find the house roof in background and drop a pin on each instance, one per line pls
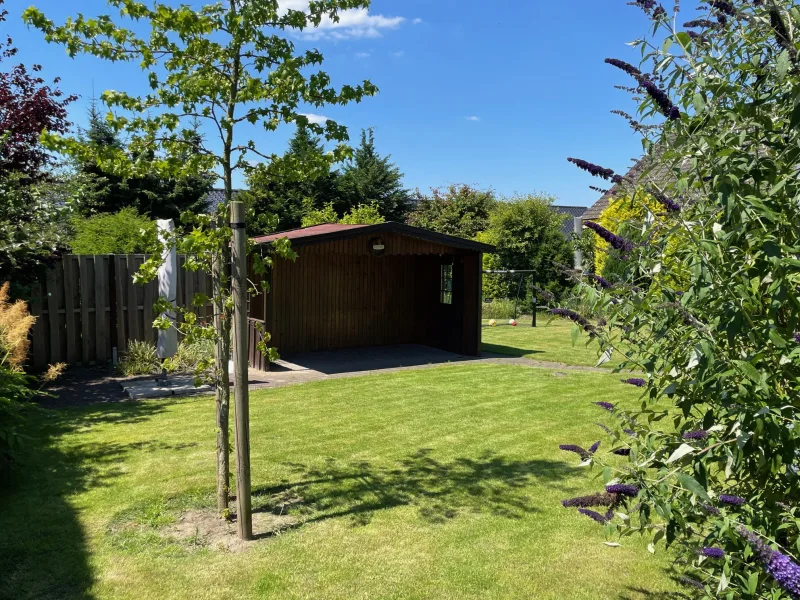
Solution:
(571, 211)
(216, 197)
(646, 167)
(334, 231)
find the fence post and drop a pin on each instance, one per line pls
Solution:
(244, 517)
(577, 228)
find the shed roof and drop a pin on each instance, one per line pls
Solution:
(334, 231)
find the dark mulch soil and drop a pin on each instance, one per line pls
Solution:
(80, 386)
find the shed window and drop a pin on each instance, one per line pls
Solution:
(446, 296)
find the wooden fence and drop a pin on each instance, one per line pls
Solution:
(88, 305)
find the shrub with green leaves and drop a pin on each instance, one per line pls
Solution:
(123, 232)
(714, 446)
(528, 235)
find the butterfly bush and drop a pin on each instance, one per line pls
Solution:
(712, 332)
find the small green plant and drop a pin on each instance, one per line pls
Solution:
(191, 355)
(140, 359)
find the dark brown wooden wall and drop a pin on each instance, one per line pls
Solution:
(340, 295)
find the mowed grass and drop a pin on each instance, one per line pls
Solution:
(441, 483)
(550, 340)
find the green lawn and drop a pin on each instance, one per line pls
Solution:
(550, 340)
(428, 484)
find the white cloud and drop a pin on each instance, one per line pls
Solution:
(363, 54)
(473, 118)
(399, 54)
(353, 23)
(316, 119)
(417, 21)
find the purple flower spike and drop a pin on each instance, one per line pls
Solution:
(796, 337)
(637, 381)
(607, 405)
(596, 516)
(604, 428)
(734, 500)
(692, 582)
(573, 316)
(603, 499)
(646, 5)
(700, 434)
(713, 552)
(601, 281)
(666, 202)
(623, 489)
(622, 451)
(617, 242)
(783, 569)
(621, 64)
(593, 448)
(630, 432)
(712, 510)
(660, 97)
(723, 6)
(592, 168)
(703, 23)
(577, 450)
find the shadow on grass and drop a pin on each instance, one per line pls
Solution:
(509, 350)
(641, 593)
(43, 551)
(440, 490)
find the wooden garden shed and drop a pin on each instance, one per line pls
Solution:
(356, 286)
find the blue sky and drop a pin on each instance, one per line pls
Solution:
(494, 94)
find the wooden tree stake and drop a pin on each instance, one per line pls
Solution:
(244, 516)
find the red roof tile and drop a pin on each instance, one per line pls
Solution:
(293, 234)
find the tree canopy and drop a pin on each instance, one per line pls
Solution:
(156, 194)
(28, 106)
(459, 210)
(292, 184)
(369, 178)
(528, 235)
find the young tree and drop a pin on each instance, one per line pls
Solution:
(231, 66)
(460, 210)
(370, 178)
(27, 108)
(528, 235)
(286, 186)
(713, 444)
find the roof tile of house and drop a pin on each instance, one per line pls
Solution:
(646, 168)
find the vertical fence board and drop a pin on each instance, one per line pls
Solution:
(52, 315)
(83, 262)
(70, 285)
(130, 294)
(100, 333)
(119, 301)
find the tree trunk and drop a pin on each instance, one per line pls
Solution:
(222, 354)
